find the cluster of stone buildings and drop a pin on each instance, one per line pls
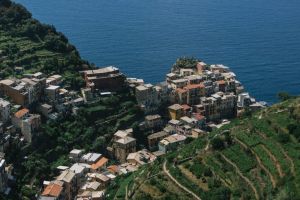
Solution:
(209, 90)
(90, 174)
(197, 99)
(86, 178)
(24, 104)
(200, 98)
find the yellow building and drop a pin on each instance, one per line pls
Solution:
(176, 111)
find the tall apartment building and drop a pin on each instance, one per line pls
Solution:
(107, 78)
(29, 124)
(4, 110)
(176, 111)
(70, 185)
(219, 105)
(148, 97)
(153, 121)
(123, 146)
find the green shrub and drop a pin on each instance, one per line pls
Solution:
(217, 143)
(283, 138)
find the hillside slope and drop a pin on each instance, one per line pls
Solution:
(28, 44)
(256, 157)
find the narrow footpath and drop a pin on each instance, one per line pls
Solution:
(241, 175)
(177, 183)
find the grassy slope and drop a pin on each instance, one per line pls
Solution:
(25, 42)
(261, 161)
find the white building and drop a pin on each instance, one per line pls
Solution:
(30, 126)
(52, 92)
(171, 142)
(3, 174)
(147, 97)
(4, 110)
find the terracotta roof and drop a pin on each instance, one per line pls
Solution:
(186, 107)
(21, 113)
(179, 90)
(100, 163)
(52, 190)
(198, 116)
(194, 86)
(221, 82)
(113, 168)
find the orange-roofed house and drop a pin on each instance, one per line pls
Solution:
(186, 109)
(54, 189)
(100, 164)
(201, 120)
(29, 124)
(114, 169)
(19, 116)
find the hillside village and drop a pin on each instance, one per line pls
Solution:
(198, 99)
(71, 130)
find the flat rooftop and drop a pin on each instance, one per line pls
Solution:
(152, 117)
(103, 70)
(126, 140)
(157, 135)
(175, 107)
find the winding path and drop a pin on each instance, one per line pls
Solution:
(177, 183)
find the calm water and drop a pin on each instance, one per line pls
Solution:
(258, 39)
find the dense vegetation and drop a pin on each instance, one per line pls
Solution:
(26, 43)
(255, 157)
(185, 62)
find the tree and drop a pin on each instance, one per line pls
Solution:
(283, 138)
(292, 128)
(185, 62)
(217, 144)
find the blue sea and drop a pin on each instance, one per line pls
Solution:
(258, 39)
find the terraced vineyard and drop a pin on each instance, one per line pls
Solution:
(31, 54)
(27, 46)
(260, 160)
